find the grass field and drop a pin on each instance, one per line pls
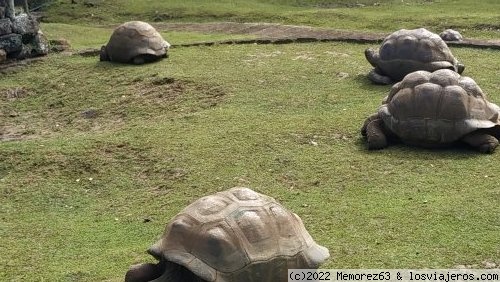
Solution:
(104, 155)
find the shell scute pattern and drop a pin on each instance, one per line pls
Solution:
(437, 107)
(134, 39)
(406, 51)
(232, 233)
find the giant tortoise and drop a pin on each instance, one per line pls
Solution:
(434, 110)
(406, 51)
(233, 236)
(134, 42)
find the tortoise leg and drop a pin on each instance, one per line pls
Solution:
(375, 76)
(483, 142)
(372, 56)
(139, 60)
(374, 132)
(173, 272)
(367, 121)
(144, 272)
(103, 55)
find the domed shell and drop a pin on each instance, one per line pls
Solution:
(405, 51)
(135, 38)
(437, 108)
(238, 235)
(451, 35)
(415, 44)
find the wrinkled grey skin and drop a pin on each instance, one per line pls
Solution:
(406, 51)
(164, 271)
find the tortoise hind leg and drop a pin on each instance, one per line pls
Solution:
(482, 141)
(375, 76)
(373, 129)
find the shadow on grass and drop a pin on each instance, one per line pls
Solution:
(365, 83)
(105, 65)
(398, 150)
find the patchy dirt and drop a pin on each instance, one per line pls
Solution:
(268, 30)
(168, 90)
(148, 97)
(15, 93)
(268, 33)
(294, 33)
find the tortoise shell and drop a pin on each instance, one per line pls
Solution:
(437, 108)
(451, 35)
(238, 235)
(133, 39)
(406, 51)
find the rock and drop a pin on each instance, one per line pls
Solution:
(40, 44)
(11, 43)
(37, 46)
(25, 52)
(5, 26)
(489, 264)
(25, 24)
(89, 113)
(59, 45)
(3, 56)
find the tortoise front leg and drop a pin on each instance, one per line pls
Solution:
(367, 121)
(144, 272)
(483, 142)
(373, 129)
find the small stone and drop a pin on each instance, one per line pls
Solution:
(90, 113)
(489, 264)
(342, 75)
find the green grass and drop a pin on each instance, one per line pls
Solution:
(78, 38)
(471, 19)
(76, 191)
(281, 119)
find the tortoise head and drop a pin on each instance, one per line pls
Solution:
(103, 55)
(460, 68)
